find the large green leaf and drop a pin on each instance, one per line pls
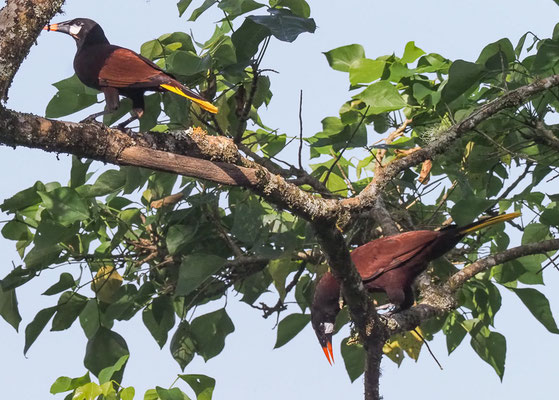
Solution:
(354, 359)
(65, 281)
(159, 318)
(342, 58)
(35, 327)
(462, 75)
(209, 331)
(65, 205)
(234, 8)
(8, 307)
(183, 346)
(202, 385)
(538, 305)
(70, 305)
(247, 38)
(364, 70)
(491, 347)
(196, 269)
(104, 350)
(454, 331)
(284, 25)
(411, 53)
(289, 327)
(381, 97)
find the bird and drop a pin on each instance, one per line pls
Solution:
(117, 71)
(390, 265)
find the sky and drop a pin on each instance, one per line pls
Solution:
(249, 368)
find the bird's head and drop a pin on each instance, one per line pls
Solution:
(324, 309)
(81, 29)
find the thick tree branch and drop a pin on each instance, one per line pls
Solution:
(20, 24)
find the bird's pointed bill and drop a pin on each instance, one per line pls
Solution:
(51, 27)
(329, 353)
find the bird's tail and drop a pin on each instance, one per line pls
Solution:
(464, 230)
(190, 95)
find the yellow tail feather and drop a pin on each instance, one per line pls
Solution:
(206, 105)
(489, 221)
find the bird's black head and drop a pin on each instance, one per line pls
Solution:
(324, 309)
(83, 30)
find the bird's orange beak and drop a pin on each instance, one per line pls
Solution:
(51, 27)
(329, 353)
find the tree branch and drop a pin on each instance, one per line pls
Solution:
(21, 22)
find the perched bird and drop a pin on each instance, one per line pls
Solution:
(389, 264)
(118, 71)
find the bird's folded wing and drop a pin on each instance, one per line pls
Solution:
(385, 254)
(126, 69)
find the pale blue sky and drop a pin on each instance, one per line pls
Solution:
(248, 368)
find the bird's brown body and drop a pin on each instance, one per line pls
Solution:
(118, 71)
(390, 265)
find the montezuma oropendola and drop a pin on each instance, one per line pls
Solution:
(389, 264)
(118, 71)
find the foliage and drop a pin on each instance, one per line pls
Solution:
(124, 251)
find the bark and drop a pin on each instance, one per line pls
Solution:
(20, 24)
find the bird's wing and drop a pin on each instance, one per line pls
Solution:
(124, 68)
(379, 256)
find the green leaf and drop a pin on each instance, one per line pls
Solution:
(65, 103)
(247, 38)
(109, 182)
(279, 269)
(65, 205)
(89, 318)
(182, 5)
(183, 347)
(202, 385)
(107, 373)
(497, 55)
(284, 25)
(15, 230)
(78, 174)
(538, 305)
(411, 53)
(547, 56)
(209, 332)
(103, 350)
(170, 394)
(200, 10)
(152, 49)
(89, 391)
(364, 70)
(17, 277)
(8, 307)
(462, 75)
(354, 359)
(491, 347)
(187, 63)
(342, 58)
(454, 331)
(195, 269)
(381, 97)
(23, 199)
(234, 8)
(70, 305)
(534, 233)
(289, 327)
(127, 393)
(65, 281)
(179, 237)
(64, 384)
(467, 209)
(35, 327)
(299, 7)
(159, 318)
